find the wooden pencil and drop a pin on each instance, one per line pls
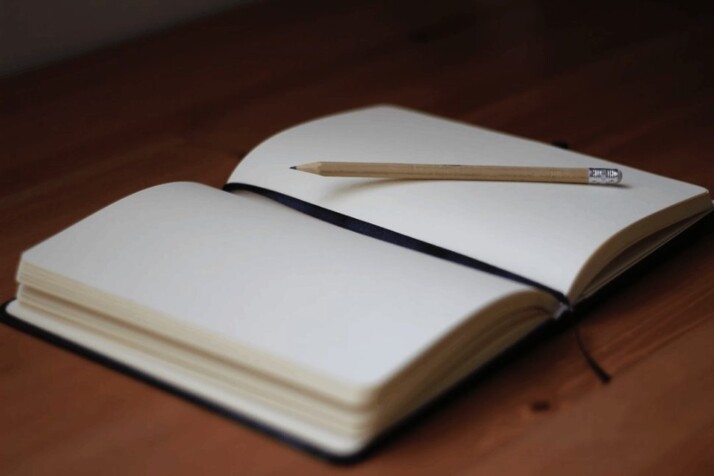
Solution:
(462, 172)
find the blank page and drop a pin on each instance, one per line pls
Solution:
(545, 232)
(344, 306)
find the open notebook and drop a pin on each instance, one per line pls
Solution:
(333, 329)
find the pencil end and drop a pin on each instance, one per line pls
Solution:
(604, 176)
(294, 167)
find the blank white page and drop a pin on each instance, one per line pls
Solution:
(342, 305)
(545, 232)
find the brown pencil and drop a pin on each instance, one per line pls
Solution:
(462, 172)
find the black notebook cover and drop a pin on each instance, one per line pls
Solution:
(699, 231)
(528, 341)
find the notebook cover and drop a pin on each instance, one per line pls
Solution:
(535, 336)
(697, 232)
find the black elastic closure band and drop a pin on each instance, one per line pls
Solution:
(592, 363)
(383, 234)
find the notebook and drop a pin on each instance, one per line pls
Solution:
(328, 310)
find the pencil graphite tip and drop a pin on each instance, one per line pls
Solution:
(294, 167)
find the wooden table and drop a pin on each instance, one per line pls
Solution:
(631, 82)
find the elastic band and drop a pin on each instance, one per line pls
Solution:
(599, 371)
(383, 234)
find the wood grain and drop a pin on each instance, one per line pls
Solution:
(629, 81)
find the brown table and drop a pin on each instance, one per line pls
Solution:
(631, 82)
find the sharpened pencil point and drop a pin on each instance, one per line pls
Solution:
(294, 167)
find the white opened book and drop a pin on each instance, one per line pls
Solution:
(332, 331)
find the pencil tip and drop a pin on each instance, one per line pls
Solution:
(294, 167)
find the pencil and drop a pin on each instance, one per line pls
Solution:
(462, 172)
